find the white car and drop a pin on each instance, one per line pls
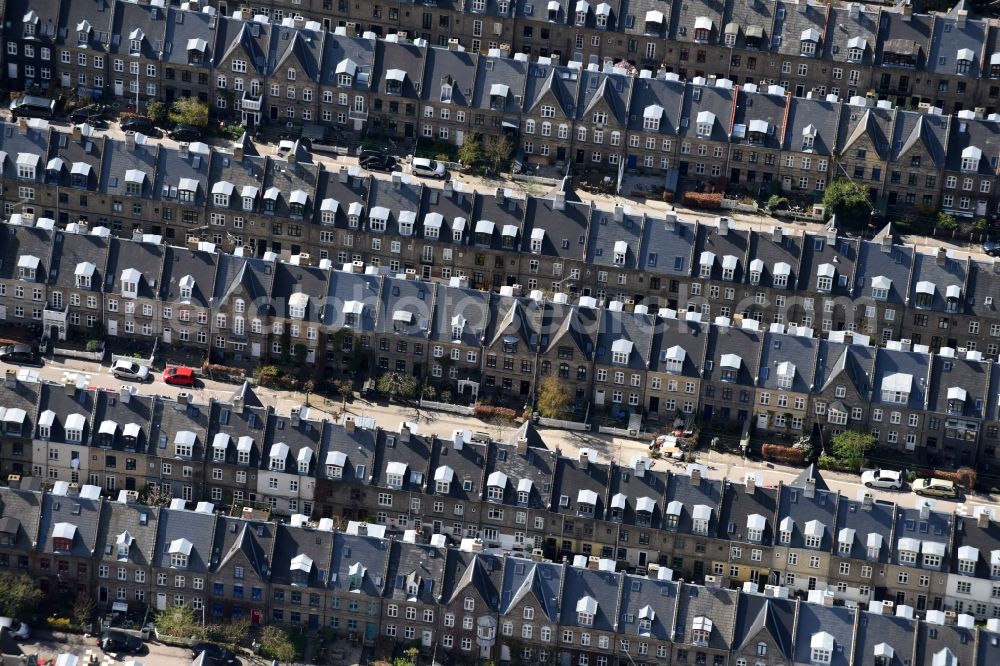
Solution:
(130, 370)
(421, 166)
(882, 478)
(19, 630)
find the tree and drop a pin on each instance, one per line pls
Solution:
(849, 202)
(850, 447)
(980, 225)
(178, 621)
(83, 608)
(275, 643)
(397, 385)
(345, 389)
(471, 150)
(553, 398)
(154, 496)
(19, 596)
(233, 632)
(498, 150)
(189, 111)
(945, 222)
(157, 111)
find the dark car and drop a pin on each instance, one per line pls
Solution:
(379, 162)
(137, 124)
(119, 641)
(88, 114)
(991, 248)
(20, 354)
(215, 654)
(185, 133)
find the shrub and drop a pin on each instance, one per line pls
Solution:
(777, 203)
(964, 477)
(783, 454)
(94, 345)
(711, 200)
(58, 623)
(487, 412)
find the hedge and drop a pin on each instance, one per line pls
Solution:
(964, 477)
(783, 454)
(493, 411)
(711, 200)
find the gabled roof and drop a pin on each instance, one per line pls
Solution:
(548, 85)
(867, 127)
(541, 581)
(810, 473)
(762, 616)
(247, 543)
(477, 574)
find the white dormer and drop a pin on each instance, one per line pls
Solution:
(824, 277)
(27, 267)
(809, 133)
(432, 225)
(328, 211)
(621, 252)
(821, 648)
(968, 557)
(277, 456)
(304, 459)
(395, 473)
(84, 274)
(621, 349)
(970, 158)
(705, 263)
(856, 47)
(705, 122)
(407, 221)
(443, 477)
(222, 191)
(813, 533)
(873, 545)
(27, 165)
(756, 269)
(249, 195)
(780, 274)
(729, 264)
(298, 304)
(586, 502)
(674, 358)
(808, 41)
(756, 524)
(956, 399)
(880, 287)
(457, 326)
(586, 609)
(845, 541)
(378, 218)
(786, 374)
(180, 552)
(122, 545)
(582, 9)
(701, 516)
(496, 484)
(651, 117)
(336, 461)
(130, 282)
(896, 388)
(730, 364)
(701, 630)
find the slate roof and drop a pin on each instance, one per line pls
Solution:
(610, 89)
(739, 502)
(874, 629)
(119, 518)
(53, 397)
(13, 142)
(253, 541)
(874, 518)
(731, 340)
(400, 297)
(781, 348)
(860, 121)
(743, 15)
(537, 584)
(84, 514)
(508, 212)
(407, 57)
(457, 68)
(337, 48)
(691, 336)
(299, 48)
(844, 27)
(358, 454)
(692, 493)
(253, 275)
(985, 539)
(793, 503)
(503, 72)
(119, 159)
(180, 262)
(792, 19)
(147, 258)
(97, 13)
(290, 280)
(345, 189)
(568, 325)
(46, 15)
(149, 19)
(245, 173)
(465, 309)
(936, 528)
(755, 108)
(458, 204)
(783, 246)
(764, 618)
(184, 26)
(837, 621)
(198, 528)
(467, 571)
(243, 40)
(572, 480)
(350, 551)
(932, 640)
(639, 594)
(138, 411)
(174, 169)
(874, 262)
(226, 419)
(949, 38)
(686, 15)
(519, 317)
(318, 545)
(414, 452)
(950, 373)
(404, 196)
(843, 255)
(346, 287)
(289, 177)
(467, 465)
(668, 246)
(630, 327)
(308, 434)
(921, 131)
(669, 95)
(888, 362)
(551, 85)
(983, 134)
(600, 586)
(735, 242)
(823, 116)
(606, 233)
(626, 480)
(565, 230)
(714, 603)
(23, 507)
(415, 564)
(718, 101)
(85, 153)
(896, 30)
(849, 364)
(170, 417)
(22, 395)
(536, 465)
(17, 242)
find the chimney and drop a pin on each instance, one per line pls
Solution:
(296, 416)
(962, 17)
(751, 484)
(670, 221)
(10, 378)
(349, 424)
(125, 393)
(584, 458)
(238, 404)
(299, 22)
(723, 225)
(130, 140)
(867, 501)
(640, 467)
(877, 607)
(619, 212)
(22, 125)
(292, 157)
(238, 152)
(983, 519)
(499, 195)
(777, 234)
(925, 510)
(810, 489)
(855, 10)
(182, 149)
(449, 189)
(942, 256)
(404, 432)
(695, 475)
(77, 133)
(458, 440)
(397, 180)
(907, 11)
(559, 202)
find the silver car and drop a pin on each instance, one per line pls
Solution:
(130, 370)
(19, 630)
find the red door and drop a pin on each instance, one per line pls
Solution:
(255, 616)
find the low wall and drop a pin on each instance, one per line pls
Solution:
(620, 432)
(448, 407)
(79, 353)
(564, 425)
(734, 204)
(147, 362)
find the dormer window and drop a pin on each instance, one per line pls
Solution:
(586, 609)
(970, 159)
(135, 41)
(297, 304)
(394, 79)
(896, 388)
(352, 312)
(446, 89)
(442, 479)
(27, 267)
(123, 543)
(729, 264)
(63, 535)
(702, 29)
(880, 287)
(964, 61)
(586, 501)
(130, 282)
(651, 118)
(621, 251)
(701, 631)
(27, 165)
(75, 424)
(814, 534)
(809, 40)
(730, 367)
(290, 74)
(755, 527)
(620, 351)
(705, 264)
(184, 442)
(248, 203)
(956, 400)
(824, 277)
(581, 15)
(180, 553)
(701, 516)
(821, 649)
(968, 556)
(277, 457)
(675, 359)
(706, 120)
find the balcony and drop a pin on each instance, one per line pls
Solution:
(251, 102)
(354, 114)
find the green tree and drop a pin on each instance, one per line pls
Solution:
(178, 621)
(154, 496)
(849, 202)
(397, 385)
(553, 398)
(850, 447)
(83, 608)
(157, 111)
(945, 222)
(189, 111)
(498, 150)
(19, 595)
(471, 150)
(275, 643)
(233, 632)
(980, 225)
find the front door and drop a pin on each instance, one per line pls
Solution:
(579, 156)
(274, 112)
(632, 159)
(525, 387)
(167, 336)
(161, 601)
(654, 405)
(11, 70)
(255, 617)
(561, 154)
(119, 87)
(112, 327)
(255, 349)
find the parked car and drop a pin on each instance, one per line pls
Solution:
(379, 163)
(935, 488)
(20, 354)
(19, 630)
(178, 375)
(991, 248)
(215, 654)
(29, 106)
(882, 478)
(421, 166)
(88, 114)
(185, 133)
(130, 370)
(113, 640)
(137, 124)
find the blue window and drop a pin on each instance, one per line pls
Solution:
(237, 591)
(278, 615)
(256, 593)
(217, 610)
(352, 625)
(236, 612)
(218, 589)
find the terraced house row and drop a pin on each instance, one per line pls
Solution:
(705, 130)
(924, 576)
